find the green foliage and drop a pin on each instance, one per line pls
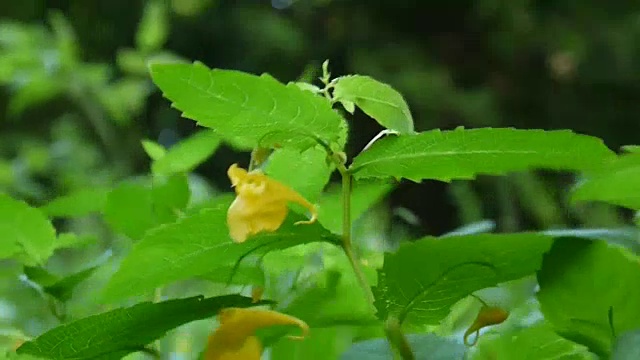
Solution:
(464, 154)
(422, 280)
(194, 246)
(78, 203)
(256, 108)
(333, 273)
(589, 291)
(376, 99)
(186, 155)
(27, 234)
(616, 182)
(535, 342)
(116, 333)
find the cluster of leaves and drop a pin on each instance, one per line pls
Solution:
(588, 285)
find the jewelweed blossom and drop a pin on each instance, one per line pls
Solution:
(486, 317)
(235, 337)
(260, 204)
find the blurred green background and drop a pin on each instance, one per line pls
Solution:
(76, 99)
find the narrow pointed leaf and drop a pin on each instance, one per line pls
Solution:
(113, 334)
(258, 109)
(187, 154)
(464, 154)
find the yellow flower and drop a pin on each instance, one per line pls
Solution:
(260, 204)
(235, 337)
(486, 317)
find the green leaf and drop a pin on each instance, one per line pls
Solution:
(186, 155)
(114, 334)
(153, 149)
(422, 280)
(26, 232)
(535, 342)
(133, 207)
(616, 182)
(627, 346)
(582, 285)
(624, 236)
(153, 28)
(78, 203)
(363, 195)
(378, 100)
(196, 244)
(306, 172)
(325, 344)
(255, 108)
(424, 346)
(63, 288)
(129, 209)
(463, 154)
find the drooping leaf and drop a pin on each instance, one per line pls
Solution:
(194, 245)
(26, 232)
(78, 203)
(616, 182)
(587, 286)
(627, 346)
(422, 280)
(256, 108)
(306, 172)
(187, 154)
(363, 195)
(535, 342)
(378, 100)
(113, 334)
(463, 154)
(628, 237)
(424, 346)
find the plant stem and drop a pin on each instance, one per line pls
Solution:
(347, 244)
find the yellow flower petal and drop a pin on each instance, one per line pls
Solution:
(235, 337)
(487, 316)
(261, 204)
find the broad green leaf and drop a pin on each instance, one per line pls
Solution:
(26, 232)
(129, 209)
(113, 334)
(627, 346)
(363, 195)
(187, 154)
(537, 342)
(133, 207)
(463, 154)
(306, 172)
(78, 203)
(255, 108)
(378, 100)
(422, 280)
(153, 149)
(584, 285)
(616, 182)
(424, 346)
(196, 244)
